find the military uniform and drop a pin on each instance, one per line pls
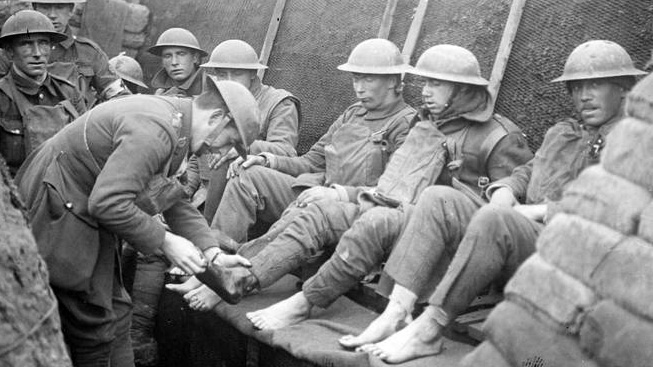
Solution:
(97, 169)
(435, 152)
(279, 117)
(497, 239)
(82, 61)
(353, 152)
(31, 113)
(164, 85)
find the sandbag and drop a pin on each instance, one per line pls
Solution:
(540, 287)
(485, 354)
(626, 275)
(133, 40)
(645, 229)
(137, 18)
(576, 245)
(628, 152)
(523, 339)
(606, 199)
(616, 338)
(639, 103)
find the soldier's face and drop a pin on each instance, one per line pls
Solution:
(241, 76)
(436, 94)
(205, 121)
(597, 101)
(179, 62)
(59, 13)
(30, 53)
(374, 91)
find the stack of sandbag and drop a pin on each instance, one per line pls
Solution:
(116, 25)
(586, 297)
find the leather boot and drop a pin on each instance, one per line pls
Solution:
(231, 284)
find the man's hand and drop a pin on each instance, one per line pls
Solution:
(217, 160)
(238, 165)
(182, 253)
(503, 196)
(230, 261)
(533, 212)
(317, 193)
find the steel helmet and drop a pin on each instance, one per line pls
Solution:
(598, 59)
(29, 22)
(127, 69)
(176, 37)
(375, 56)
(243, 107)
(451, 63)
(234, 54)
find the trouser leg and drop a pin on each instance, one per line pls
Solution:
(363, 247)
(314, 228)
(257, 192)
(422, 254)
(149, 280)
(122, 353)
(497, 241)
(217, 183)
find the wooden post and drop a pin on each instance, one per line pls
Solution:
(388, 17)
(271, 34)
(414, 31)
(505, 47)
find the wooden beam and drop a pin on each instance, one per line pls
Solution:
(388, 17)
(271, 34)
(505, 47)
(415, 29)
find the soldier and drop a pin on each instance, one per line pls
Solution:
(501, 235)
(278, 110)
(129, 70)
(352, 153)
(101, 172)
(180, 55)
(459, 142)
(79, 59)
(34, 104)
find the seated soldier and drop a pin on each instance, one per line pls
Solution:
(34, 104)
(278, 110)
(457, 122)
(352, 153)
(181, 55)
(130, 71)
(501, 235)
(76, 58)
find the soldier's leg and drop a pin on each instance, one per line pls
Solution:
(360, 249)
(419, 259)
(498, 239)
(256, 192)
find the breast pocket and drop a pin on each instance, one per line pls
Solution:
(12, 144)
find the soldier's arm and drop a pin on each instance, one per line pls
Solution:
(282, 133)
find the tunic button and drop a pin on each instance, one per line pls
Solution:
(41, 96)
(68, 205)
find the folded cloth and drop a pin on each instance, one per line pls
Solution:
(626, 275)
(616, 338)
(575, 245)
(606, 199)
(627, 152)
(526, 341)
(484, 355)
(541, 288)
(645, 229)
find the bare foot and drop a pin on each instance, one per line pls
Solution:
(185, 287)
(420, 338)
(202, 298)
(393, 318)
(287, 312)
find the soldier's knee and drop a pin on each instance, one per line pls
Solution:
(439, 193)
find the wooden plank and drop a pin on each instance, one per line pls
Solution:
(505, 47)
(388, 17)
(414, 30)
(271, 34)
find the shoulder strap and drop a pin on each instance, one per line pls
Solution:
(505, 126)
